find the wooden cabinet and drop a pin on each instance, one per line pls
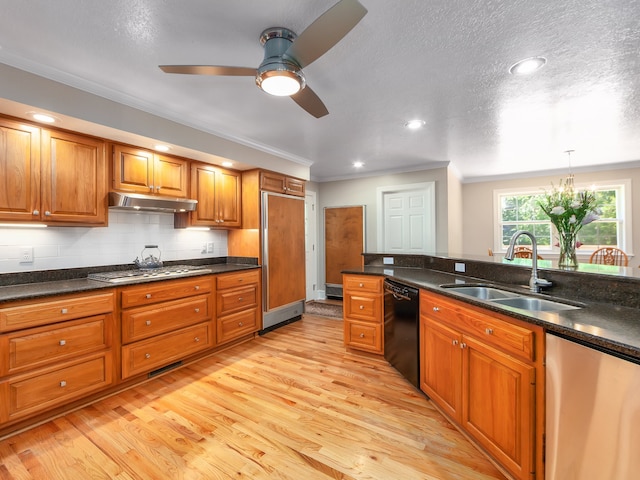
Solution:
(51, 176)
(164, 322)
(363, 313)
(218, 193)
(278, 183)
(143, 171)
(54, 351)
(237, 305)
(483, 370)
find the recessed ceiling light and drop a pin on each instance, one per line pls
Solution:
(358, 164)
(527, 66)
(414, 124)
(162, 148)
(227, 164)
(42, 117)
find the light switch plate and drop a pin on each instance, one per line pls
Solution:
(460, 267)
(387, 260)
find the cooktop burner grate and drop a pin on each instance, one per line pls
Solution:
(172, 271)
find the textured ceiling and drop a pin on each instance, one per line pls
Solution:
(444, 61)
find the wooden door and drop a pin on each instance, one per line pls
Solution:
(19, 171)
(74, 179)
(285, 262)
(498, 405)
(132, 169)
(203, 186)
(170, 176)
(228, 198)
(441, 365)
(343, 242)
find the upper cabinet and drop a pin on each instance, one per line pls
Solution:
(275, 182)
(218, 192)
(142, 171)
(52, 177)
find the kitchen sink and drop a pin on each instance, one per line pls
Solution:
(506, 298)
(534, 304)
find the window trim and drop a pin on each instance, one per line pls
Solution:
(624, 206)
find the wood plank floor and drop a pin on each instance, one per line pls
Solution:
(292, 404)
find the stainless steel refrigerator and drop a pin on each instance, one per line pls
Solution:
(283, 259)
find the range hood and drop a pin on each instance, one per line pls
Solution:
(151, 203)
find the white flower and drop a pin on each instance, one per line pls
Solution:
(559, 210)
(590, 217)
(572, 219)
(576, 204)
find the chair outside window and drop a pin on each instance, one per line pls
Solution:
(609, 256)
(524, 252)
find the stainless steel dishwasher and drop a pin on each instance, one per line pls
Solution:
(592, 414)
(401, 336)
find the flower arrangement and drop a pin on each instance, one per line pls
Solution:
(569, 211)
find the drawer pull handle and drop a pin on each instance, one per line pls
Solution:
(362, 335)
(240, 324)
(63, 383)
(197, 310)
(147, 355)
(64, 310)
(361, 307)
(148, 295)
(463, 345)
(197, 339)
(147, 323)
(197, 287)
(454, 342)
(488, 331)
(62, 343)
(436, 309)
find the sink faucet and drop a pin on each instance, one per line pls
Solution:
(535, 283)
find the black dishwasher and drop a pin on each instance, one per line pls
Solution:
(401, 329)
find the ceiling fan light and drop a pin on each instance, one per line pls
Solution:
(281, 83)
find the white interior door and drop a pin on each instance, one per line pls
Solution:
(311, 241)
(407, 219)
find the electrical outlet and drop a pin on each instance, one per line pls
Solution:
(210, 247)
(460, 267)
(26, 254)
(387, 260)
(204, 248)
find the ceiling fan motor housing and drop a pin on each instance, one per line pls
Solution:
(276, 41)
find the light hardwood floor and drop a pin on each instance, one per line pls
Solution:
(292, 404)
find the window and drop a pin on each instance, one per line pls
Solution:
(519, 210)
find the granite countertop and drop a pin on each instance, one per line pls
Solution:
(599, 325)
(39, 289)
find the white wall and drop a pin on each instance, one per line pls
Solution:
(119, 243)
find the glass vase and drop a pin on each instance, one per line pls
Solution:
(568, 259)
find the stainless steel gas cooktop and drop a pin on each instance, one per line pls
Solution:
(173, 271)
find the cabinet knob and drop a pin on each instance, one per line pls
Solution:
(62, 343)
(488, 331)
(63, 383)
(147, 355)
(197, 339)
(147, 323)
(47, 213)
(64, 310)
(362, 335)
(197, 310)
(436, 309)
(463, 345)
(240, 299)
(240, 324)
(151, 187)
(361, 307)
(197, 287)
(361, 285)
(454, 342)
(36, 212)
(148, 295)
(158, 189)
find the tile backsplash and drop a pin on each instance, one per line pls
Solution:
(119, 243)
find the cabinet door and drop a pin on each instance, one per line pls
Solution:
(74, 179)
(228, 194)
(132, 169)
(272, 182)
(170, 176)
(498, 405)
(440, 365)
(203, 187)
(19, 171)
(294, 186)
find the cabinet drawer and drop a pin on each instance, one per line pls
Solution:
(41, 346)
(363, 307)
(146, 355)
(364, 336)
(362, 283)
(34, 314)
(27, 395)
(162, 291)
(237, 299)
(237, 279)
(144, 322)
(237, 325)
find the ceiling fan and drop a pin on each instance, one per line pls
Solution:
(286, 54)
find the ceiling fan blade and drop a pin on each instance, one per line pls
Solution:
(308, 100)
(209, 70)
(327, 30)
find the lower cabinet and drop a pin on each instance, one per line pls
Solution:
(485, 371)
(238, 306)
(363, 313)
